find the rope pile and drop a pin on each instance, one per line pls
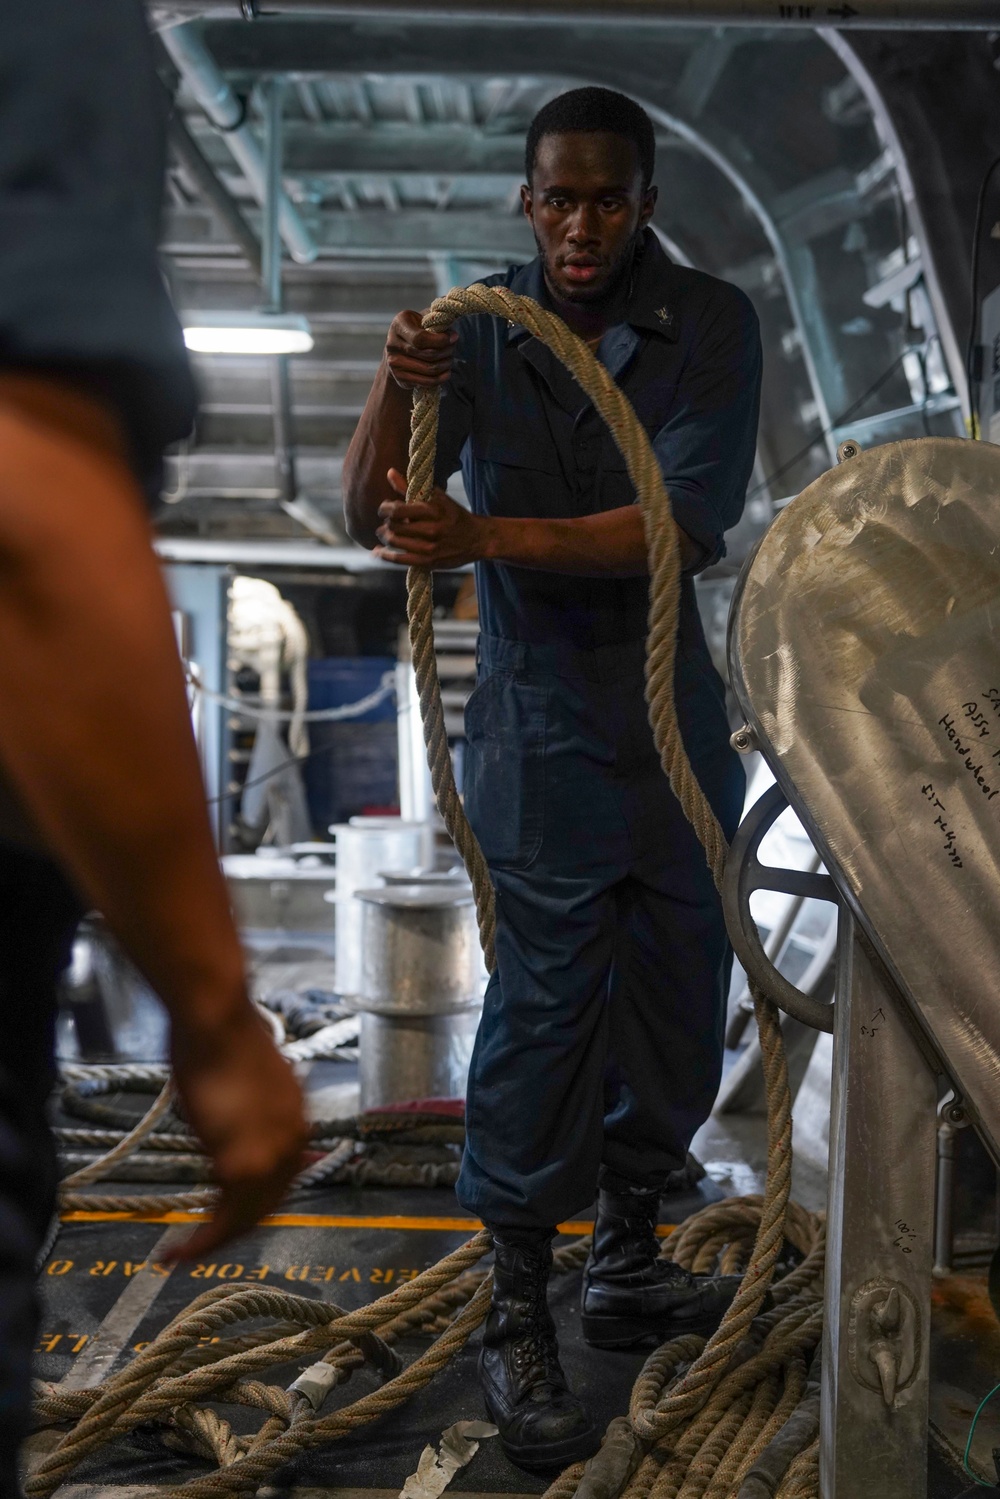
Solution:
(372, 1150)
(757, 1436)
(168, 1383)
(735, 1415)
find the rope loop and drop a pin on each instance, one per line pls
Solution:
(661, 539)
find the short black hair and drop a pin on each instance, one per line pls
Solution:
(594, 109)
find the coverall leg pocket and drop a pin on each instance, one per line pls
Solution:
(505, 725)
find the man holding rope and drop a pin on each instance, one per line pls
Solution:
(600, 1049)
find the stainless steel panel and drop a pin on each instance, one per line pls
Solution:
(404, 1057)
(873, 1430)
(864, 653)
(421, 953)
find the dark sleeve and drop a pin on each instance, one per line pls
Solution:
(82, 117)
(706, 449)
(455, 414)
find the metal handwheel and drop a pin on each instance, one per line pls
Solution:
(745, 874)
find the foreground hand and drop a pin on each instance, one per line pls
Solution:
(243, 1102)
(440, 533)
(415, 356)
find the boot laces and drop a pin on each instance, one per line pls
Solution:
(645, 1231)
(642, 1230)
(535, 1357)
(535, 1354)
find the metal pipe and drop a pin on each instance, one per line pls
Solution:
(934, 15)
(273, 90)
(223, 204)
(283, 421)
(203, 77)
(952, 1117)
(944, 1222)
(284, 433)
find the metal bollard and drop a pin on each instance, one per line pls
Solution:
(421, 991)
(404, 1057)
(365, 845)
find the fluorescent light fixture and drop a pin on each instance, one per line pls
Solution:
(247, 333)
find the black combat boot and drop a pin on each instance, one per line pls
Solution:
(542, 1424)
(632, 1296)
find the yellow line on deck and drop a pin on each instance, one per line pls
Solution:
(323, 1220)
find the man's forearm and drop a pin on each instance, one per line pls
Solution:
(380, 442)
(440, 533)
(95, 733)
(610, 544)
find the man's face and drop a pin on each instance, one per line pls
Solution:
(587, 206)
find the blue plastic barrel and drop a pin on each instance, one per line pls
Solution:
(353, 767)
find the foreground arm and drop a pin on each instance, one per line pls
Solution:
(95, 736)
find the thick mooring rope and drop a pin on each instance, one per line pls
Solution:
(731, 1416)
(129, 1159)
(376, 1149)
(166, 1383)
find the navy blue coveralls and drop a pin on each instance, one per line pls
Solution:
(600, 1048)
(82, 144)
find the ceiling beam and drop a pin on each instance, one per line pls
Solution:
(248, 474)
(251, 473)
(444, 150)
(374, 231)
(235, 551)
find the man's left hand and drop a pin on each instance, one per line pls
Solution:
(438, 533)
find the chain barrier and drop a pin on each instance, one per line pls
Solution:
(385, 689)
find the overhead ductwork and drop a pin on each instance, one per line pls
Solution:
(204, 78)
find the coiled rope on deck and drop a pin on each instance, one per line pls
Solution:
(206, 1355)
(375, 1149)
(707, 1419)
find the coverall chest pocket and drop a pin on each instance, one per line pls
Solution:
(505, 727)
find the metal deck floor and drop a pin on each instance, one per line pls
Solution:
(105, 1296)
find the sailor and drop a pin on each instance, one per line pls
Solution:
(101, 799)
(600, 1048)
